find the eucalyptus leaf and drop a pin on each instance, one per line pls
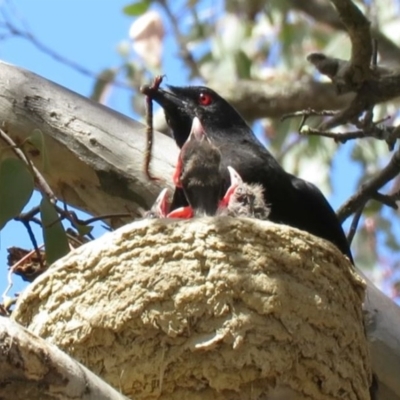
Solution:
(83, 229)
(36, 139)
(16, 187)
(103, 81)
(55, 238)
(136, 9)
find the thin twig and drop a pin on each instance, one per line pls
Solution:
(186, 54)
(354, 224)
(338, 137)
(305, 114)
(40, 181)
(387, 200)
(309, 113)
(13, 268)
(149, 127)
(386, 133)
(106, 216)
(34, 243)
(370, 188)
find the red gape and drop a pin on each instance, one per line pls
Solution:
(182, 212)
(236, 180)
(176, 177)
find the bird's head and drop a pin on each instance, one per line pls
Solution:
(197, 151)
(182, 104)
(160, 206)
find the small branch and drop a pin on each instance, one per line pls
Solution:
(321, 11)
(56, 376)
(11, 271)
(105, 216)
(386, 133)
(28, 216)
(338, 137)
(185, 53)
(369, 189)
(354, 224)
(309, 113)
(34, 243)
(305, 114)
(372, 84)
(40, 181)
(73, 219)
(358, 28)
(149, 126)
(387, 200)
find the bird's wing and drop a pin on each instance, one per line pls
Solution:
(308, 196)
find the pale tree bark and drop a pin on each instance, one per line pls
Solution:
(95, 154)
(31, 368)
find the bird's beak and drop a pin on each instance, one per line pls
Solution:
(178, 110)
(170, 100)
(161, 204)
(235, 178)
(197, 132)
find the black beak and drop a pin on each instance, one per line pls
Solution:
(178, 112)
(168, 100)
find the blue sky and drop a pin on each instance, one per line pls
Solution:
(87, 32)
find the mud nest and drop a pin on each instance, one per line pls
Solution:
(208, 309)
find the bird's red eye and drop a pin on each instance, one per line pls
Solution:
(205, 99)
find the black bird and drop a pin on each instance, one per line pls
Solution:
(293, 201)
(198, 174)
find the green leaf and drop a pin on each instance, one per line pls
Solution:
(36, 139)
(137, 8)
(243, 65)
(83, 229)
(55, 238)
(102, 83)
(16, 187)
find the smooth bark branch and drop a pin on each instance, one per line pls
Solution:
(358, 28)
(368, 189)
(382, 320)
(273, 99)
(322, 11)
(372, 85)
(31, 368)
(95, 154)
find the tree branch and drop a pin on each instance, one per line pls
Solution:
(358, 28)
(255, 99)
(322, 11)
(371, 84)
(95, 154)
(29, 365)
(186, 55)
(369, 189)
